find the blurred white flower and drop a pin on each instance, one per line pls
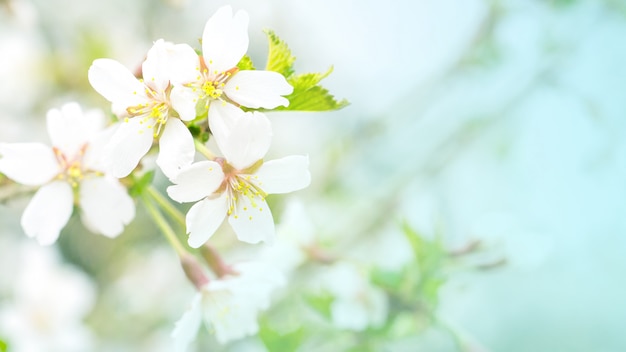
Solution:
(229, 305)
(296, 234)
(146, 106)
(215, 77)
(71, 171)
(236, 186)
(49, 302)
(357, 304)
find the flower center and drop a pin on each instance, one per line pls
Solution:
(153, 113)
(213, 89)
(72, 169)
(210, 84)
(240, 183)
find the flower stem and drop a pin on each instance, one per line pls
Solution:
(200, 147)
(215, 262)
(165, 227)
(166, 205)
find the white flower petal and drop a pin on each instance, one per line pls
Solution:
(184, 64)
(204, 218)
(225, 39)
(94, 158)
(258, 89)
(244, 138)
(156, 68)
(106, 206)
(230, 314)
(184, 101)
(70, 129)
(48, 212)
(196, 182)
(284, 175)
(222, 119)
(252, 220)
(187, 327)
(176, 148)
(31, 164)
(130, 142)
(116, 83)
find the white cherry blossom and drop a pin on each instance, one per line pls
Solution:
(229, 306)
(149, 109)
(47, 304)
(69, 172)
(237, 184)
(214, 76)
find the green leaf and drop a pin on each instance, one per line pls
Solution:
(276, 341)
(245, 63)
(321, 303)
(3, 346)
(279, 58)
(308, 95)
(391, 280)
(141, 183)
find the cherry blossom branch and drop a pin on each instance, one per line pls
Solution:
(165, 227)
(167, 206)
(214, 261)
(202, 149)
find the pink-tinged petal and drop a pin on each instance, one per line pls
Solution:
(225, 39)
(204, 218)
(184, 101)
(70, 129)
(116, 83)
(196, 182)
(130, 142)
(176, 148)
(30, 164)
(187, 326)
(48, 212)
(106, 206)
(284, 175)
(252, 220)
(246, 140)
(258, 89)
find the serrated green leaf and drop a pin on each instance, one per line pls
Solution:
(246, 63)
(279, 58)
(309, 96)
(314, 99)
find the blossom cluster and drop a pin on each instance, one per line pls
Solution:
(95, 167)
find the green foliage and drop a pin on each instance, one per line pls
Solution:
(279, 58)
(140, 183)
(308, 94)
(3, 346)
(245, 63)
(321, 303)
(430, 259)
(275, 341)
(389, 280)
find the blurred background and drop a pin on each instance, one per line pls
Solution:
(490, 130)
